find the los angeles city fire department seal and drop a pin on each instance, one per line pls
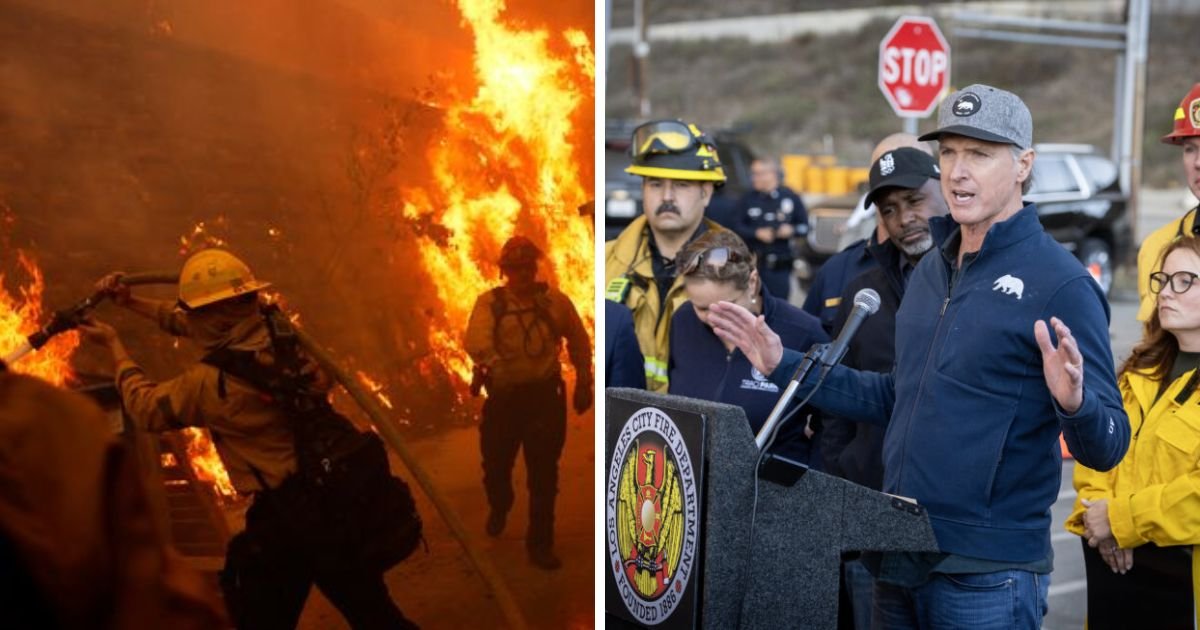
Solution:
(652, 516)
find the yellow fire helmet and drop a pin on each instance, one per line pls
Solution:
(212, 275)
(673, 149)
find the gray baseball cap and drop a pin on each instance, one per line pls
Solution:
(985, 113)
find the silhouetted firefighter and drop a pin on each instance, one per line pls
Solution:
(514, 337)
(326, 509)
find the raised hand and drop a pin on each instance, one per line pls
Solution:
(1062, 366)
(98, 332)
(750, 334)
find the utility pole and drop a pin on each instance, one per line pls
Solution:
(1133, 106)
(641, 59)
(1128, 40)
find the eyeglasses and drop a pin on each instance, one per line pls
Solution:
(664, 136)
(716, 258)
(1180, 281)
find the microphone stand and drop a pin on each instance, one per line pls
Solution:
(814, 355)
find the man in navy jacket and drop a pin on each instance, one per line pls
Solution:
(980, 389)
(905, 191)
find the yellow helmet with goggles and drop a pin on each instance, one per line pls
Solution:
(673, 149)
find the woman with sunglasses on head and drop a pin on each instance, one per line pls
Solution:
(1140, 521)
(719, 267)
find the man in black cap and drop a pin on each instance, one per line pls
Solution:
(980, 391)
(906, 193)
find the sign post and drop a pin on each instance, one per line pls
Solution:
(914, 68)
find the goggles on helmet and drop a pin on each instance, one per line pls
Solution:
(665, 136)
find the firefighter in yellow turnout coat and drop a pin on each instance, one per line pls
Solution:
(680, 171)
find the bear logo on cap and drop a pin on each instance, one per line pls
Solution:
(966, 105)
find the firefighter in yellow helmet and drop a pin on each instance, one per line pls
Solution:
(265, 403)
(514, 337)
(680, 171)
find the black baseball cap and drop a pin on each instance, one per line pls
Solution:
(905, 167)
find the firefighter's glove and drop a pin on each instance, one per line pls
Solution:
(112, 287)
(583, 392)
(98, 332)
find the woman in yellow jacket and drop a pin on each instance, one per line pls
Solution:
(1141, 520)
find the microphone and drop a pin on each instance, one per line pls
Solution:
(866, 303)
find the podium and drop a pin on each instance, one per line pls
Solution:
(680, 556)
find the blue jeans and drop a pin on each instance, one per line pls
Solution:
(1000, 600)
(860, 585)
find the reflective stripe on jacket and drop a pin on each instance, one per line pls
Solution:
(627, 261)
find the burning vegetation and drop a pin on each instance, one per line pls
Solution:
(514, 158)
(376, 199)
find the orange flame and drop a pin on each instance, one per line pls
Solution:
(507, 165)
(206, 464)
(21, 316)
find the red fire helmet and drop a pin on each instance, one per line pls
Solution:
(1187, 118)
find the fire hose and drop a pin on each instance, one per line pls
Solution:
(69, 318)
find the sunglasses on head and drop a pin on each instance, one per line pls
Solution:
(717, 257)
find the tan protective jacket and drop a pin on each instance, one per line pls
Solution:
(250, 432)
(525, 345)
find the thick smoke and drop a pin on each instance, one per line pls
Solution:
(287, 127)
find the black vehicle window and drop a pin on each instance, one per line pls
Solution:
(615, 162)
(1100, 171)
(1052, 175)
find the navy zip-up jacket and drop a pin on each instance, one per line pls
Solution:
(624, 365)
(701, 368)
(825, 295)
(973, 428)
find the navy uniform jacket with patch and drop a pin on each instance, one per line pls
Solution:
(851, 449)
(973, 431)
(623, 360)
(700, 367)
(825, 295)
(771, 210)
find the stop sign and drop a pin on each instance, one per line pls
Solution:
(914, 66)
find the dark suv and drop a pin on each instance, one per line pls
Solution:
(1079, 203)
(623, 192)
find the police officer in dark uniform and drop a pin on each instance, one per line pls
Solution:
(770, 216)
